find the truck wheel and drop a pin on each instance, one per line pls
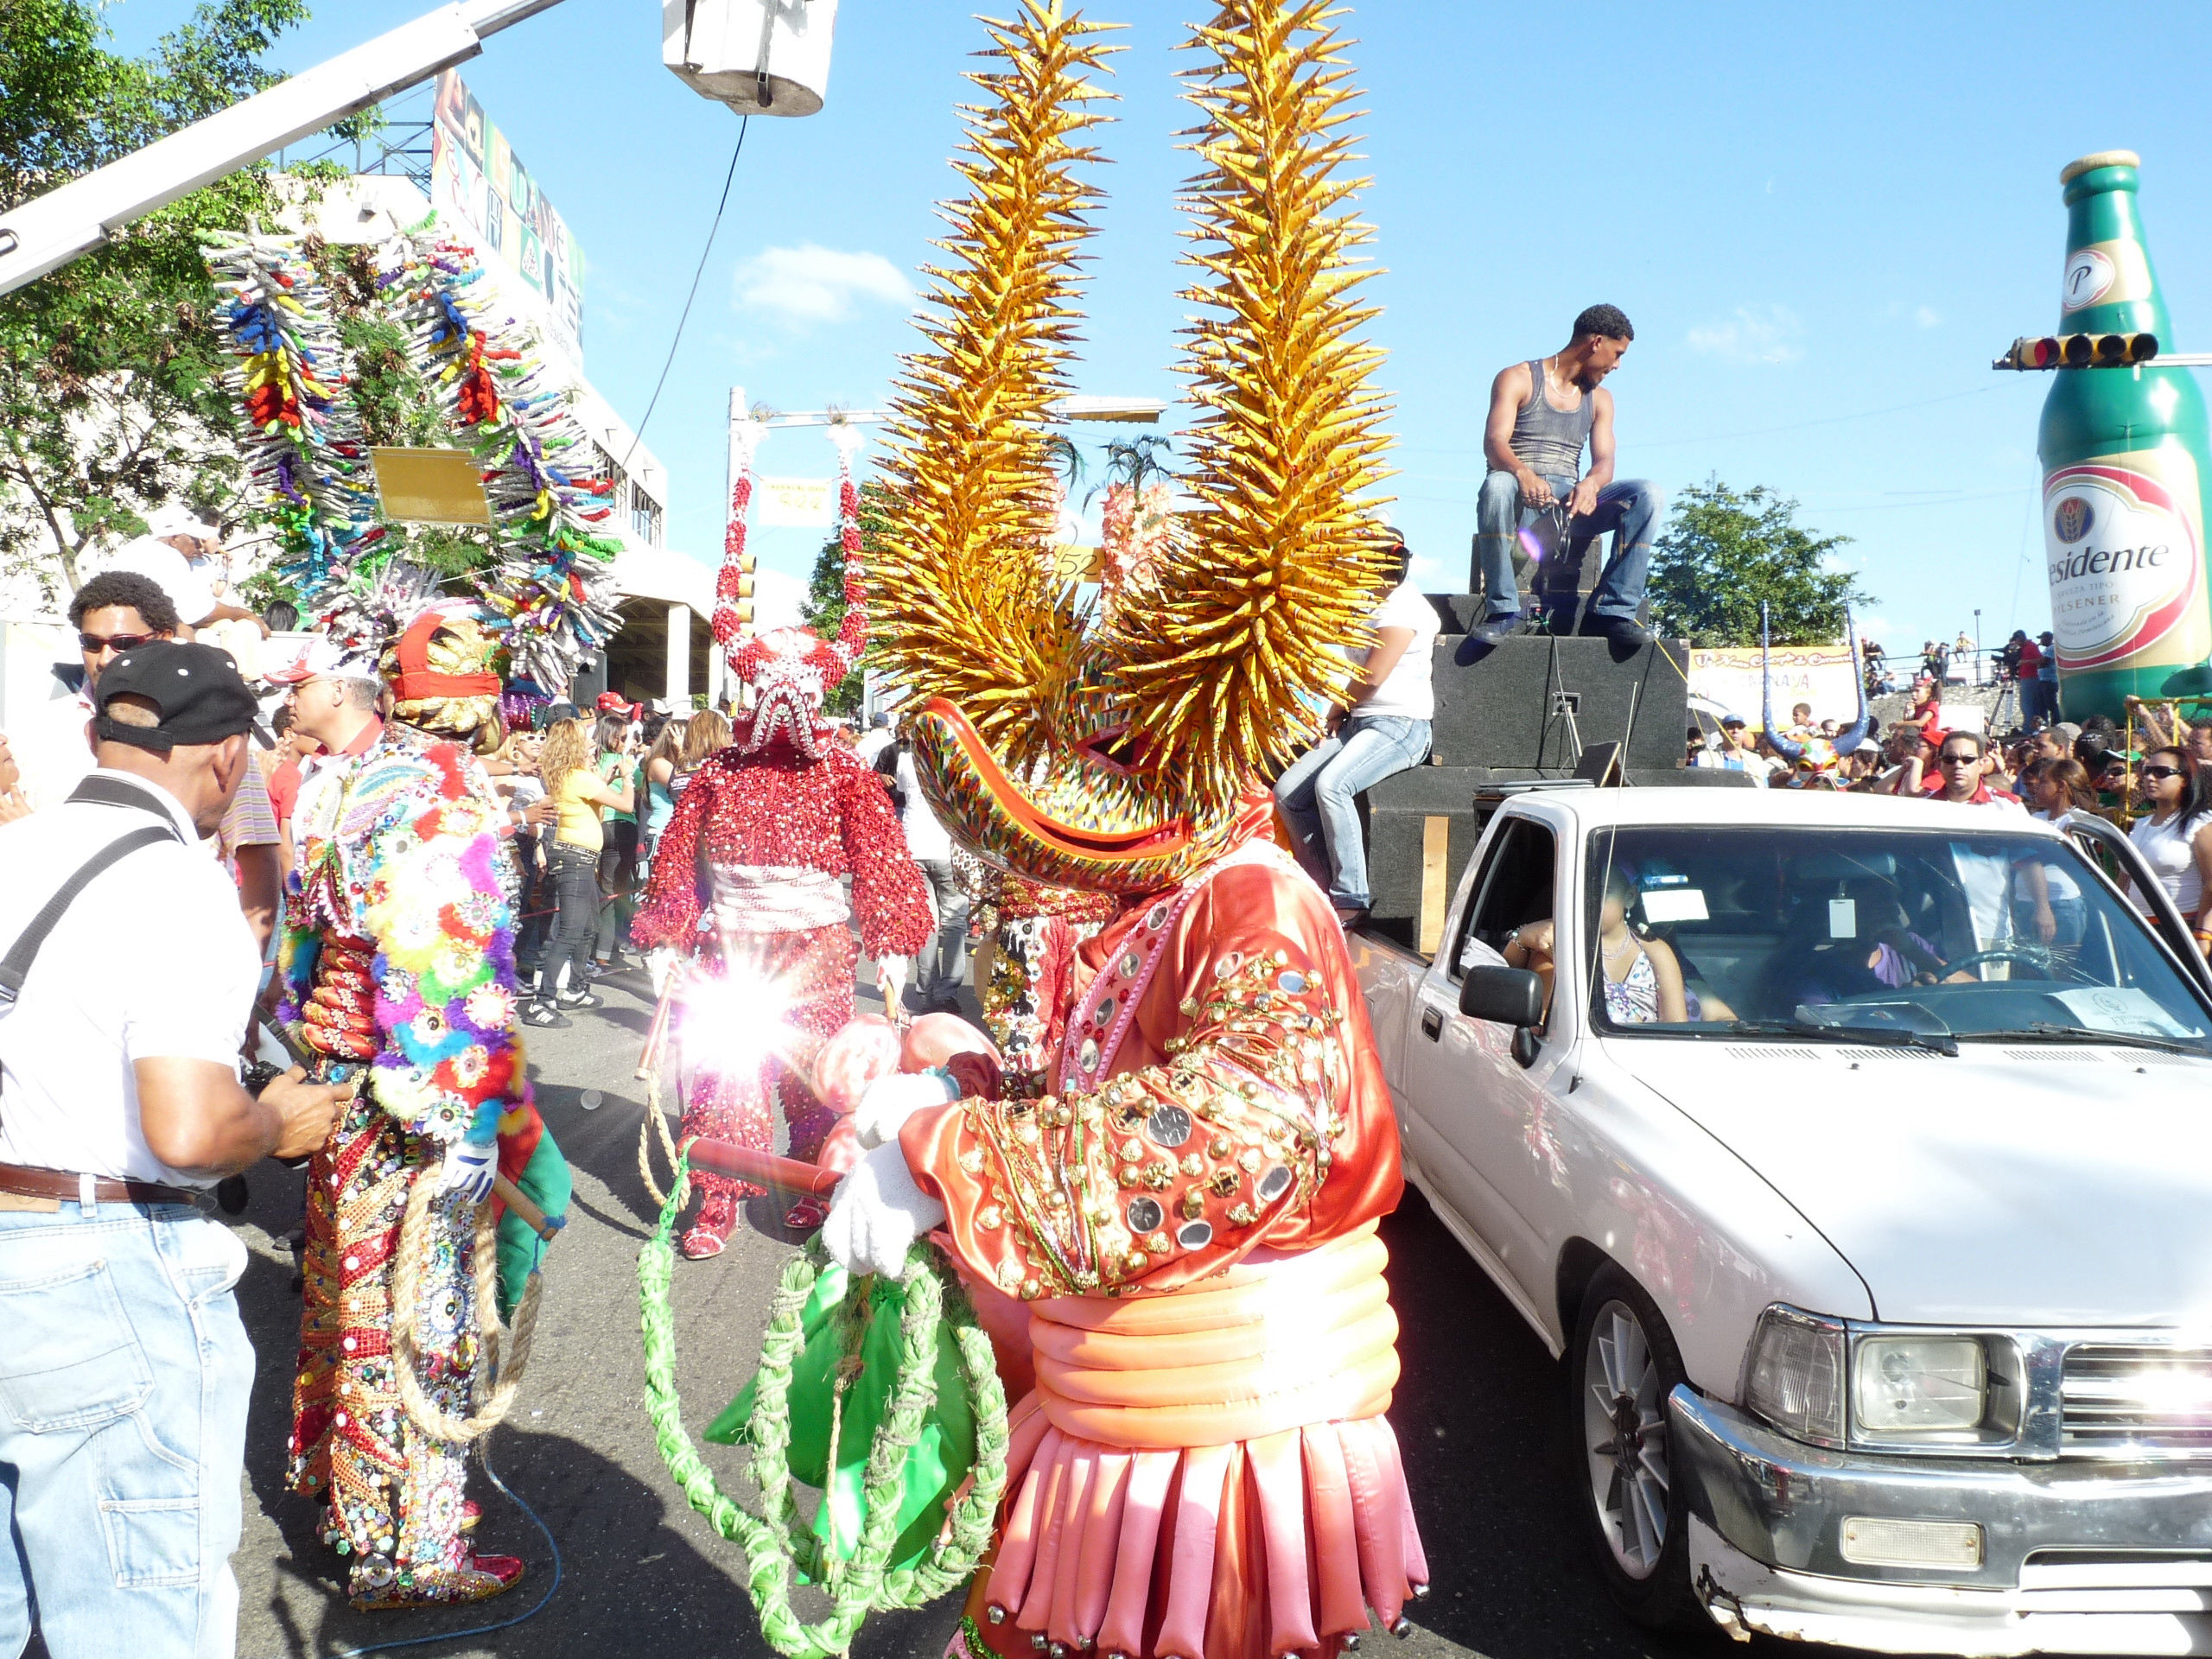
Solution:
(1620, 1368)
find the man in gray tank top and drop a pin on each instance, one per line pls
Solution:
(1541, 413)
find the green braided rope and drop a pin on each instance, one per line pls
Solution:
(777, 1546)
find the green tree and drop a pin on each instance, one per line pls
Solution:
(112, 395)
(1726, 550)
(825, 593)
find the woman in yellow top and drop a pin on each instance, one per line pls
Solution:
(572, 868)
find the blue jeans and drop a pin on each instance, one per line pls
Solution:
(1318, 797)
(1628, 510)
(124, 1382)
(944, 961)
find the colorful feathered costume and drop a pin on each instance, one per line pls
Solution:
(1204, 1467)
(398, 961)
(747, 884)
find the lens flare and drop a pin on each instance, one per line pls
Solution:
(736, 1021)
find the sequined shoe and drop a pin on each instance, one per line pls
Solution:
(717, 1215)
(806, 1215)
(483, 1578)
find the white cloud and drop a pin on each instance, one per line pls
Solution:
(1756, 333)
(809, 284)
(1927, 316)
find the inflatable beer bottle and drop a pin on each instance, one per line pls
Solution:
(2124, 463)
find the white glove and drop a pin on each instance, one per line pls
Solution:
(469, 1168)
(878, 1214)
(893, 1098)
(890, 973)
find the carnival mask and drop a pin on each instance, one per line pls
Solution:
(789, 671)
(1107, 743)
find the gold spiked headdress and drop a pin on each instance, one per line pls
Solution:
(1114, 758)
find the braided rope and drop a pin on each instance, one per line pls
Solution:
(518, 1338)
(655, 1118)
(777, 1547)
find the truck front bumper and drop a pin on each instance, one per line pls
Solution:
(2074, 1556)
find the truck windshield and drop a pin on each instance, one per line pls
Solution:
(1918, 935)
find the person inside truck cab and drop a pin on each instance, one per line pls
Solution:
(1641, 977)
(1849, 939)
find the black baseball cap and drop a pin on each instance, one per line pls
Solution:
(197, 689)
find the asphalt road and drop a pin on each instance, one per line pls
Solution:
(640, 1574)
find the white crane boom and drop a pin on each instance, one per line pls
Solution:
(49, 230)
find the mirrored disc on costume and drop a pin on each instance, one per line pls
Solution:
(1168, 1126)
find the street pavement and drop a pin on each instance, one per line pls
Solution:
(1478, 1412)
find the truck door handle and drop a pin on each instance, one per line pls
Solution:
(1431, 1023)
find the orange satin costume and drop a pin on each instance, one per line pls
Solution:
(1204, 1470)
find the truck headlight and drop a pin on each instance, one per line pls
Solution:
(1793, 1376)
(1909, 1385)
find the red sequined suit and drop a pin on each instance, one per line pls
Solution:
(746, 881)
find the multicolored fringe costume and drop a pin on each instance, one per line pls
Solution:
(307, 459)
(553, 586)
(398, 962)
(1205, 1469)
(746, 884)
(550, 583)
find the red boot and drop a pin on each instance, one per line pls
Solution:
(717, 1215)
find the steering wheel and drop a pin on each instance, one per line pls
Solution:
(2032, 955)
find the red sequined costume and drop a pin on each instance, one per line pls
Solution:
(747, 883)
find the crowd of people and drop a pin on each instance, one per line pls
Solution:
(2159, 791)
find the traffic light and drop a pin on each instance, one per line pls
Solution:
(2079, 352)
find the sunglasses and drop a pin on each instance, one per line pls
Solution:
(93, 643)
(1959, 759)
(2159, 772)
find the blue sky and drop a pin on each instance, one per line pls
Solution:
(1824, 221)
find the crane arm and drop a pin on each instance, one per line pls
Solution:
(49, 230)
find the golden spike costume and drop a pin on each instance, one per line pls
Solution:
(1205, 1469)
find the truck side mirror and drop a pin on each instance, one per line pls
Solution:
(1503, 997)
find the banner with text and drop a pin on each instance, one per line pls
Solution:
(795, 502)
(1823, 676)
(482, 188)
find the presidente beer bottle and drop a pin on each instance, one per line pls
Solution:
(2125, 462)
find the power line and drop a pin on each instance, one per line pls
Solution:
(1753, 432)
(637, 436)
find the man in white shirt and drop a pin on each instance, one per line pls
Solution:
(1380, 728)
(183, 553)
(878, 738)
(127, 1370)
(1737, 753)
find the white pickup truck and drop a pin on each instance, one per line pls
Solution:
(1856, 1156)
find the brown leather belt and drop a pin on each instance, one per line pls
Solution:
(26, 1182)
